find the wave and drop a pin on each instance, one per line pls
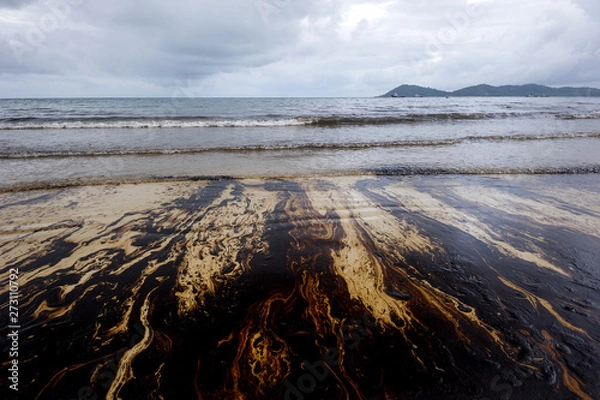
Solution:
(124, 122)
(412, 118)
(144, 123)
(593, 115)
(19, 154)
(397, 170)
(408, 170)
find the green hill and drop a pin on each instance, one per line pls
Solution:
(414, 91)
(530, 90)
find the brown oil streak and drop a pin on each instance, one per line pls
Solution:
(367, 287)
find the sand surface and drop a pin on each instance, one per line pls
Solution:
(332, 288)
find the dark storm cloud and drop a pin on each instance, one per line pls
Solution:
(289, 47)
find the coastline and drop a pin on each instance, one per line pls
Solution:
(398, 171)
(329, 287)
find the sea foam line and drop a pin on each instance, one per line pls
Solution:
(392, 170)
(129, 122)
(318, 146)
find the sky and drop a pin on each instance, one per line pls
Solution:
(88, 48)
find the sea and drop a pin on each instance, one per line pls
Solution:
(76, 141)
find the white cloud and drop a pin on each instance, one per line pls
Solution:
(289, 47)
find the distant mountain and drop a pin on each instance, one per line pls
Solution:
(415, 91)
(530, 90)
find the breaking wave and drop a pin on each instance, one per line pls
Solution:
(594, 115)
(125, 122)
(312, 146)
(144, 123)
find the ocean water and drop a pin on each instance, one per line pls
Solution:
(55, 142)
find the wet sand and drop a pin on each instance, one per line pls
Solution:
(461, 287)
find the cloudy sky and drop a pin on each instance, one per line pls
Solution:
(61, 48)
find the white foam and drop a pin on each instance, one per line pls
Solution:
(157, 124)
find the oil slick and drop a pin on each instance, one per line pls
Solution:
(332, 288)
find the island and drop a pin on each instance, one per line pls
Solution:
(483, 90)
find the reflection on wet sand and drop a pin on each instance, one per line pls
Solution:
(332, 288)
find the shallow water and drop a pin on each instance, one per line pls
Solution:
(48, 142)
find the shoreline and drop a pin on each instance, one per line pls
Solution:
(356, 286)
(393, 171)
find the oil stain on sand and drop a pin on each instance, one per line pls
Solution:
(336, 288)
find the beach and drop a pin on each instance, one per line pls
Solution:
(348, 287)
